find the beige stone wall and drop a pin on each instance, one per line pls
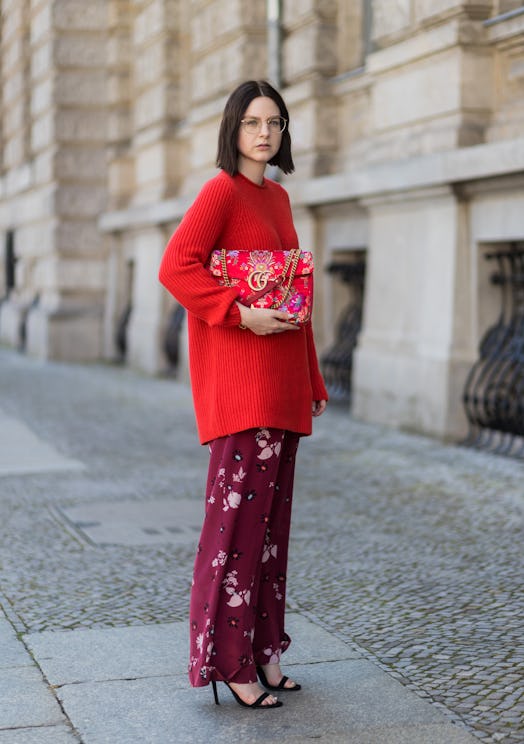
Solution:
(54, 172)
(399, 110)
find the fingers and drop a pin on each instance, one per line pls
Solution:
(273, 329)
(318, 407)
(263, 321)
(285, 322)
(279, 315)
(286, 326)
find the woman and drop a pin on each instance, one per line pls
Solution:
(256, 384)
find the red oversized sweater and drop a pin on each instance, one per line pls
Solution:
(239, 380)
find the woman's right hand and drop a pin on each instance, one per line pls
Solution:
(264, 322)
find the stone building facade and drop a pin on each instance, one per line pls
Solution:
(408, 137)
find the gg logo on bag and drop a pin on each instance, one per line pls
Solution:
(258, 278)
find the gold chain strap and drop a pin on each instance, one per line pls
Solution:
(223, 264)
(291, 261)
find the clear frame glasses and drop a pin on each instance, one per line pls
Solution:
(275, 124)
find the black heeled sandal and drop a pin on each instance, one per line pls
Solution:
(281, 685)
(257, 704)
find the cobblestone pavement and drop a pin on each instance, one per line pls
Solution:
(406, 547)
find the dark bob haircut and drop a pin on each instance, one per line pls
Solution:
(236, 105)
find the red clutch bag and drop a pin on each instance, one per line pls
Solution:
(280, 280)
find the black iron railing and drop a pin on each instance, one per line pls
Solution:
(494, 390)
(172, 338)
(337, 361)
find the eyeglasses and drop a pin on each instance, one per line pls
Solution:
(275, 125)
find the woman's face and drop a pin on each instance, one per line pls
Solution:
(258, 136)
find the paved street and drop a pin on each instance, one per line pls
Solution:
(406, 597)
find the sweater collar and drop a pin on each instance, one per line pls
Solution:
(248, 181)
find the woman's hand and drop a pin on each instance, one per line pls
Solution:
(318, 408)
(263, 321)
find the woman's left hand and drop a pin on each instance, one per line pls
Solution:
(318, 408)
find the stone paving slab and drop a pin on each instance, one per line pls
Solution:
(23, 452)
(137, 523)
(60, 734)
(12, 651)
(69, 657)
(73, 656)
(149, 711)
(26, 699)
(128, 686)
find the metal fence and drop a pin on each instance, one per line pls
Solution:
(494, 391)
(337, 361)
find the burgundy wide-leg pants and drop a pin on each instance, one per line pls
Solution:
(239, 582)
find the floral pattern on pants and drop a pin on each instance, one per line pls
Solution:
(239, 582)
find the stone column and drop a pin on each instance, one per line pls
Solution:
(15, 170)
(227, 44)
(410, 348)
(55, 185)
(157, 66)
(149, 174)
(121, 177)
(309, 60)
(120, 168)
(351, 34)
(145, 347)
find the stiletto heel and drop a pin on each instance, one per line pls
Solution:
(257, 704)
(281, 685)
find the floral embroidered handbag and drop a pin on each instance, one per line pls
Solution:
(280, 280)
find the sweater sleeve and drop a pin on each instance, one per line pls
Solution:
(182, 270)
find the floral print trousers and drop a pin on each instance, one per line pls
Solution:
(239, 582)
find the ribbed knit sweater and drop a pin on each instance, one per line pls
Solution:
(239, 380)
